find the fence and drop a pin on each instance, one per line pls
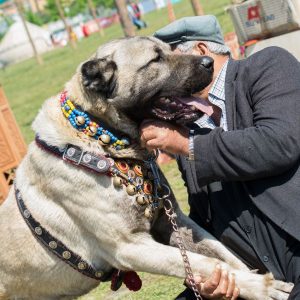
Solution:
(12, 146)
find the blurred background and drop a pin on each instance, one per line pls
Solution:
(43, 41)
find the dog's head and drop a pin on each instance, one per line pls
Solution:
(139, 77)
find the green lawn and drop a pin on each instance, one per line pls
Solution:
(27, 85)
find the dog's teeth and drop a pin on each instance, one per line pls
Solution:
(86, 82)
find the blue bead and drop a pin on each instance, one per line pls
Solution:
(67, 107)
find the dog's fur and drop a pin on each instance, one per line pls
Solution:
(84, 210)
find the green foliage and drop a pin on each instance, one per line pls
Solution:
(51, 10)
(37, 18)
(105, 3)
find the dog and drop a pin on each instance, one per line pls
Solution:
(100, 221)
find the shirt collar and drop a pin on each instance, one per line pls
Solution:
(217, 90)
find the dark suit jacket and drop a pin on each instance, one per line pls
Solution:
(260, 152)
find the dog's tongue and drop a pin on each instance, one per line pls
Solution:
(199, 103)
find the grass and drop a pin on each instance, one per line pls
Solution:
(27, 85)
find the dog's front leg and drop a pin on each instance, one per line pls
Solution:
(195, 238)
(142, 253)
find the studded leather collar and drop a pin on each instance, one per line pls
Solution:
(135, 175)
(56, 247)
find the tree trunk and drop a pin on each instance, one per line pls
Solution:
(124, 18)
(171, 13)
(37, 7)
(36, 54)
(93, 12)
(67, 27)
(197, 7)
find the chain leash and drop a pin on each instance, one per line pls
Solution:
(162, 192)
(188, 271)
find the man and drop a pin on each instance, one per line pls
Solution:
(241, 160)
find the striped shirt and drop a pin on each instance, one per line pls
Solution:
(216, 96)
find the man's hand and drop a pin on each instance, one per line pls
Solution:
(164, 136)
(220, 285)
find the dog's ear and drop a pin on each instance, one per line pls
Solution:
(98, 75)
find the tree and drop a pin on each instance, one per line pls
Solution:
(124, 18)
(197, 7)
(20, 11)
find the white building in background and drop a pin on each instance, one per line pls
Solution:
(15, 45)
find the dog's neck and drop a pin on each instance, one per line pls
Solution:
(59, 131)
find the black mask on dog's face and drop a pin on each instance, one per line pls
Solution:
(98, 75)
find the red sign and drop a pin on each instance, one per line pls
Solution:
(253, 12)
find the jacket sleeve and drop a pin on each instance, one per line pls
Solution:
(272, 145)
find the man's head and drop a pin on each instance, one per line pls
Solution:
(199, 35)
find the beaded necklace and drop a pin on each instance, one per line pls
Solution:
(81, 121)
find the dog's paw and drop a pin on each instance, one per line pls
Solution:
(262, 287)
(279, 290)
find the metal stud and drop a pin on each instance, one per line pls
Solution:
(148, 212)
(66, 254)
(102, 165)
(141, 200)
(71, 152)
(87, 158)
(81, 265)
(26, 213)
(92, 130)
(53, 245)
(99, 274)
(118, 182)
(80, 120)
(131, 189)
(38, 230)
(105, 138)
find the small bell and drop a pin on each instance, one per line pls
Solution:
(80, 120)
(148, 212)
(92, 130)
(140, 199)
(130, 189)
(118, 182)
(105, 138)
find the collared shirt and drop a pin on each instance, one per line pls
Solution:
(216, 96)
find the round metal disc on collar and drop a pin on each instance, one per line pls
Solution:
(87, 158)
(38, 230)
(103, 165)
(70, 152)
(82, 265)
(66, 255)
(99, 274)
(26, 213)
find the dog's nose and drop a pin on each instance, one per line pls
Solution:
(207, 62)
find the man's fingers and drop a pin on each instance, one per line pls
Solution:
(231, 286)
(236, 293)
(223, 285)
(213, 282)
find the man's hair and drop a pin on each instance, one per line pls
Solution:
(211, 46)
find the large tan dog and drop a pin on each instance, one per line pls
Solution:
(85, 211)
